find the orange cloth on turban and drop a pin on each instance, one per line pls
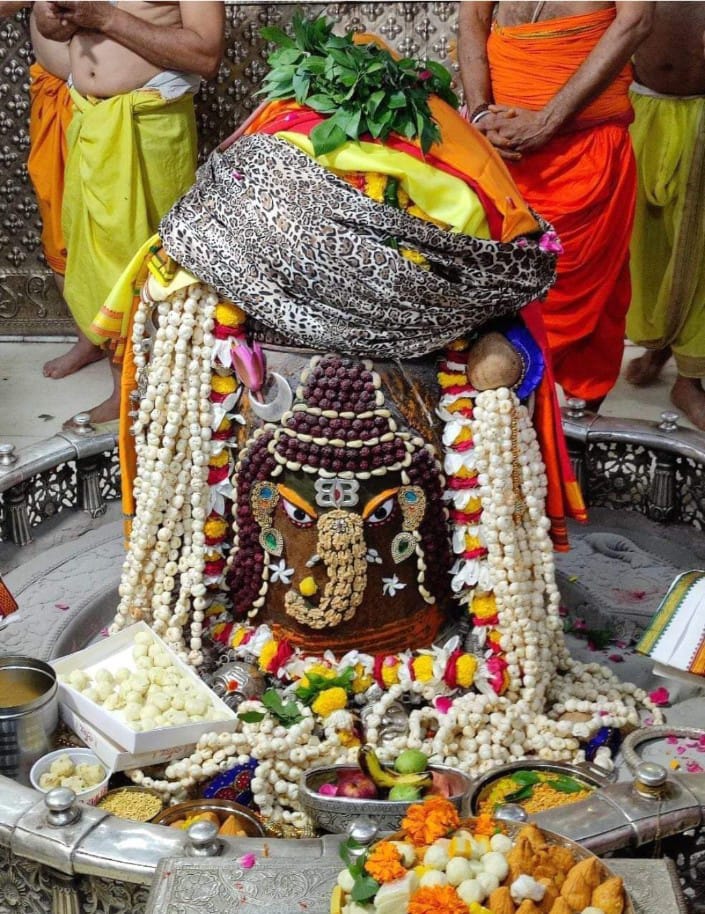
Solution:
(50, 116)
(583, 181)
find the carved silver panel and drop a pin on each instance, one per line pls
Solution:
(29, 302)
(87, 484)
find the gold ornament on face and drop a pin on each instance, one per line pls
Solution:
(412, 502)
(264, 499)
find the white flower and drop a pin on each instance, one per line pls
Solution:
(391, 586)
(279, 573)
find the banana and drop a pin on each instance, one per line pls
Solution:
(386, 777)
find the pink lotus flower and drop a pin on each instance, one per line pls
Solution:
(247, 861)
(249, 364)
(660, 696)
(550, 243)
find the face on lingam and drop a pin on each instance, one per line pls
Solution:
(339, 520)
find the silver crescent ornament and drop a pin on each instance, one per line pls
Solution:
(275, 409)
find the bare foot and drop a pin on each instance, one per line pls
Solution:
(79, 355)
(688, 395)
(646, 368)
(109, 410)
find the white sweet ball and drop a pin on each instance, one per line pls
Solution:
(501, 843)
(433, 877)
(487, 882)
(496, 864)
(458, 870)
(436, 857)
(346, 881)
(470, 891)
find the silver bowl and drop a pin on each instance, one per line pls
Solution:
(335, 814)
(586, 772)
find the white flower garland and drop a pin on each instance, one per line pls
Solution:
(476, 730)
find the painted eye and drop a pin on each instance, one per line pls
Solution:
(297, 515)
(382, 512)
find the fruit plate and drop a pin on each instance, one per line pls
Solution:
(335, 813)
(514, 831)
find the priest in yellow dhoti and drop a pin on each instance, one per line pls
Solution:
(667, 312)
(130, 158)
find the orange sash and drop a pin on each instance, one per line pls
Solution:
(50, 116)
(530, 63)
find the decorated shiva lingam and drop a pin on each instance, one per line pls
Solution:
(339, 481)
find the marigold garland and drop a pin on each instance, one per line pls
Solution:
(384, 863)
(437, 899)
(432, 819)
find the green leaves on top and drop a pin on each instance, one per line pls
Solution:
(358, 88)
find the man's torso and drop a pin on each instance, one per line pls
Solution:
(102, 67)
(510, 13)
(671, 59)
(52, 55)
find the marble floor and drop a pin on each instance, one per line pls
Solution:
(33, 408)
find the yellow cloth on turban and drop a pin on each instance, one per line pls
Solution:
(130, 158)
(442, 196)
(667, 264)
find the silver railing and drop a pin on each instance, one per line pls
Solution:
(72, 470)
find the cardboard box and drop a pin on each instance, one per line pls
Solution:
(111, 654)
(114, 757)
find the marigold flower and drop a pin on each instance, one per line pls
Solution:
(485, 825)
(237, 636)
(267, 654)
(228, 314)
(318, 669)
(464, 403)
(422, 667)
(215, 609)
(330, 700)
(437, 899)
(225, 426)
(219, 460)
(384, 863)
(484, 606)
(432, 819)
(215, 528)
(348, 738)
(375, 184)
(390, 673)
(465, 670)
(362, 681)
(224, 384)
(414, 257)
(451, 379)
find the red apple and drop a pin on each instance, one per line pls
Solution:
(357, 786)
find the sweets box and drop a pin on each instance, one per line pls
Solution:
(112, 654)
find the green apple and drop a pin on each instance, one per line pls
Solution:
(404, 792)
(411, 761)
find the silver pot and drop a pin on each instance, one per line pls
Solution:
(29, 714)
(335, 814)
